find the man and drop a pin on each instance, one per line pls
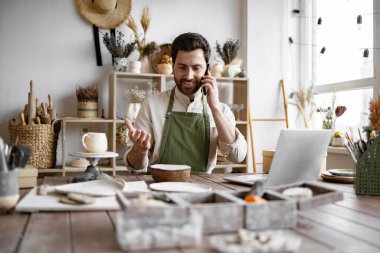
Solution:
(182, 125)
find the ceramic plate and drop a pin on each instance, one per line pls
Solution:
(327, 176)
(179, 187)
(342, 172)
(170, 167)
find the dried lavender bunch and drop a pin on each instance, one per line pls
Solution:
(229, 50)
(88, 93)
(117, 46)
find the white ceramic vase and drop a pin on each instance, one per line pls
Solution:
(146, 65)
(120, 64)
(134, 67)
(217, 70)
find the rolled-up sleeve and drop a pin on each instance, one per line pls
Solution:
(236, 151)
(143, 123)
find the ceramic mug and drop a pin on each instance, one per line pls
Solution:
(94, 142)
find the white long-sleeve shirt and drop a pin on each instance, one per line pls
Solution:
(151, 119)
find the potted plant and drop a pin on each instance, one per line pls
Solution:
(119, 50)
(228, 53)
(338, 139)
(146, 50)
(87, 101)
(164, 65)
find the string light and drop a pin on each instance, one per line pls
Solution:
(359, 21)
(365, 56)
(323, 50)
(319, 22)
(290, 40)
(295, 11)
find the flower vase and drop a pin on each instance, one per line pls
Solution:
(146, 65)
(133, 110)
(134, 67)
(120, 64)
(329, 125)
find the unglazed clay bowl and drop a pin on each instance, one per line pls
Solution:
(170, 172)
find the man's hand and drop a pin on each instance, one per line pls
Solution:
(212, 93)
(140, 138)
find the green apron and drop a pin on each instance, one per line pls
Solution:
(186, 138)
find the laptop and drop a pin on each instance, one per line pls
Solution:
(298, 157)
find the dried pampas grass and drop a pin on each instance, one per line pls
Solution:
(374, 113)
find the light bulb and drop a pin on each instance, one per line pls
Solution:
(359, 21)
(366, 56)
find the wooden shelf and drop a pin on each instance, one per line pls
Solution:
(240, 96)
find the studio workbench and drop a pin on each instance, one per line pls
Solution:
(350, 225)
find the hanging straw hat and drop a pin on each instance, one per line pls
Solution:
(106, 14)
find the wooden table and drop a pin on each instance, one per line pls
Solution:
(351, 225)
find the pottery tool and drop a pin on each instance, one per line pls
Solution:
(31, 104)
(45, 117)
(3, 162)
(51, 109)
(22, 119)
(38, 120)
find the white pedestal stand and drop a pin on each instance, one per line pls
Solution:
(93, 171)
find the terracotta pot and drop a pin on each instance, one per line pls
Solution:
(164, 68)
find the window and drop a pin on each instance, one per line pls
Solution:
(341, 33)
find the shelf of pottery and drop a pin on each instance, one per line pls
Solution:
(128, 90)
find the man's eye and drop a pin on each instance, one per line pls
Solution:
(197, 68)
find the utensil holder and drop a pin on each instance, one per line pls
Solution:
(9, 193)
(367, 180)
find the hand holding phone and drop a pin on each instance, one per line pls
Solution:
(204, 89)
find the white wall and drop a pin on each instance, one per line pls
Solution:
(48, 42)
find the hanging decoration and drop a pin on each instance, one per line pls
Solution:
(106, 14)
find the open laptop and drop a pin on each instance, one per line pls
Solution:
(298, 157)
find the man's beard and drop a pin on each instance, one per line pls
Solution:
(188, 87)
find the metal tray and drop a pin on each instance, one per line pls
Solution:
(277, 213)
(321, 194)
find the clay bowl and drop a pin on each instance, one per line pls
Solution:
(170, 172)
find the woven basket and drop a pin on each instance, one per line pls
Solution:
(42, 139)
(367, 180)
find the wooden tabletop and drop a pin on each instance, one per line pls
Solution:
(351, 225)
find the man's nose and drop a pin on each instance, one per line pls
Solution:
(189, 74)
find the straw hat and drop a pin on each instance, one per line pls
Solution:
(106, 14)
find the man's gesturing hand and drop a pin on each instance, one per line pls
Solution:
(140, 138)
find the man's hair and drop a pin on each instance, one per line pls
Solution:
(189, 42)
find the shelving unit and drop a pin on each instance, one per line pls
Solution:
(240, 90)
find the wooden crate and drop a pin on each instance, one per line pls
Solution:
(277, 213)
(28, 177)
(144, 227)
(221, 212)
(321, 194)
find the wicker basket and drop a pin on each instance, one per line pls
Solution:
(42, 139)
(367, 180)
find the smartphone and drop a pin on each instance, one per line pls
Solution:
(204, 89)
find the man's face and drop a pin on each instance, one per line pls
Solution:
(188, 68)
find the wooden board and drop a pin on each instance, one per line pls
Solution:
(33, 202)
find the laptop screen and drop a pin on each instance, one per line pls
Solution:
(299, 156)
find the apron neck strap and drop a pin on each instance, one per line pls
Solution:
(171, 101)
